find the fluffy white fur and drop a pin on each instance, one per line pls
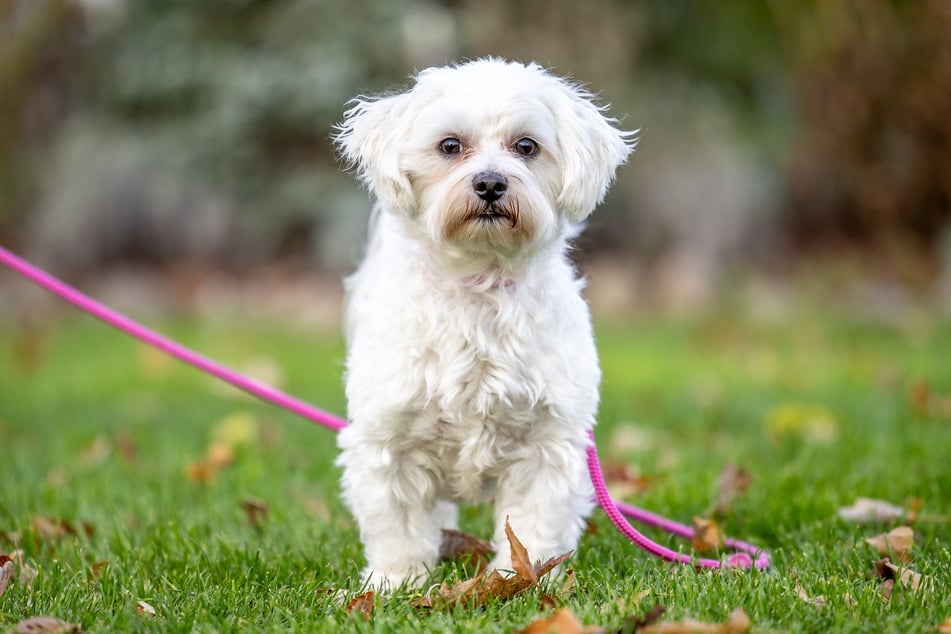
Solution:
(471, 370)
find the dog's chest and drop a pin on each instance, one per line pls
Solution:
(483, 365)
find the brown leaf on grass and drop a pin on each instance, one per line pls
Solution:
(96, 452)
(945, 627)
(144, 609)
(569, 585)
(623, 480)
(95, 570)
(737, 623)
(818, 600)
(886, 588)
(520, 560)
(906, 577)
(898, 575)
(362, 604)
(53, 530)
(562, 621)
(492, 585)
(464, 548)
(733, 482)
(928, 404)
(127, 448)
(27, 573)
(872, 511)
(6, 573)
(707, 535)
(46, 625)
(637, 624)
(256, 511)
(895, 544)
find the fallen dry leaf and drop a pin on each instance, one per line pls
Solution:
(46, 625)
(733, 482)
(53, 530)
(736, 623)
(945, 627)
(637, 624)
(562, 621)
(144, 609)
(520, 559)
(886, 588)
(256, 511)
(492, 585)
(362, 604)
(623, 480)
(870, 510)
(906, 577)
(96, 453)
(464, 548)
(896, 543)
(929, 404)
(707, 535)
(27, 572)
(898, 575)
(126, 448)
(819, 600)
(6, 572)
(569, 585)
(96, 569)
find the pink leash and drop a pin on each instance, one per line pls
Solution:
(746, 555)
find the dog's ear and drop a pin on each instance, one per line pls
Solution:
(591, 149)
(368, 139)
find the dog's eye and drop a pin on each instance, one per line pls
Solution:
(450, 146)
(526, 147)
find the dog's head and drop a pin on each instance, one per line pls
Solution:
(489, 156)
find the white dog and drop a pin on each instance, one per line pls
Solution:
(472, 371)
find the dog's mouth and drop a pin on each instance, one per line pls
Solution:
(494, 212)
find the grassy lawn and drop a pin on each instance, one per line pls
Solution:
(118, 445)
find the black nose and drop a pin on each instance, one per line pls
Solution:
(489, 186)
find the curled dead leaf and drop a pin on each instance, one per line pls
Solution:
(562, 621)
(569, 585)
(624, 481)
(144, 609)
(945, 627)
(53, 530)
(899, 575)
(464, 548)
(46, 625)
(870, 510)
(362, 604)
(27, 572)
(6, 573)
(707, 535)
(818, 600)
(637, 624)
(737, 623)
(491, 584)
(896, 543)
(733, 482)
(256, 511)
(906, 577)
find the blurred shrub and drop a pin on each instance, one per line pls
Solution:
(872, 165)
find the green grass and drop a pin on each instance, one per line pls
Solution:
(75, 396)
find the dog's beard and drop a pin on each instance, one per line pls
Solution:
(505, 226)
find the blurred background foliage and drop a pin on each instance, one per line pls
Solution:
(157, 132)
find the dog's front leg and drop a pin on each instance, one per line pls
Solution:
(393, 499)
(545, 499)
